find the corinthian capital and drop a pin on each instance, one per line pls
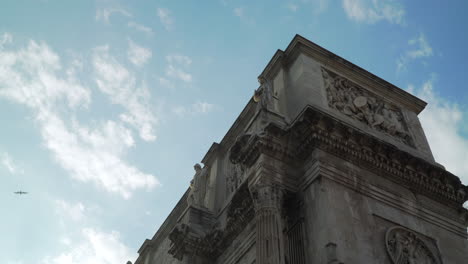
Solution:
(266, 196)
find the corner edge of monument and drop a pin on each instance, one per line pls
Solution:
(300, 44)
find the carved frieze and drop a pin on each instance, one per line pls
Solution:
(234, 176)
(407, 247)
(317, 129)
(271, 140)
(240, 211)
(183, 238)
(359, 104)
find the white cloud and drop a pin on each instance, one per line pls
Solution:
(317, 6)
(5, 38)
(292, 7)
(372, 11)
(178, 73)
(179, 59)
(180, 110)
(442, 121)
(9, 164)
(239, 11)
(142, 28)
(15, 262)
(242, 14)
(104, 14)
(95, 155)
(30, 76)
(422, 50)
(65, 241)
(114, 80)
(202, 107)
(165, 82)
(165, 17)
(196, 108)
(74, 211)
(33, 76)
(138, 55)
(95, 247)
(177, 65)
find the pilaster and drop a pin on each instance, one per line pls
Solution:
(267, 199)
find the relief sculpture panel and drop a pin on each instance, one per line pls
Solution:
(234, 175)
(359, 104)
(406, 247)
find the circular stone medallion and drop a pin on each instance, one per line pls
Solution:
(360, 101)
(406, 247)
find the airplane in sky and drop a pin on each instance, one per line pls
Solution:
(20, 192)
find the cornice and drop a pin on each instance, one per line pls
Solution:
(210, 154)
(317, 129)
(165, 228)
(147, 244)
(275, 62)
(212, 242)
(248, 147)
(300, 45)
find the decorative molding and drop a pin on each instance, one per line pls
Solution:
(248, 147)
(317, 129)
(357, 103)
(300, 45)
(447, 221)
(185, 240)
(189, 239)
(240, 247)
(267, 196)
(407, 247)
(240, 212)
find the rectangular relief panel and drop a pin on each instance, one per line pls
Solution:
(359, 104)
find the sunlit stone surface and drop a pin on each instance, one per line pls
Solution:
(327, 163)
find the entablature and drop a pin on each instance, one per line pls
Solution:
(315, 128)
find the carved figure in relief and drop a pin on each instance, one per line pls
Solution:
(356, 103)
(234, 178)
(196, 196)
(406, 247)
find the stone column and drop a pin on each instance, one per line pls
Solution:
(267, 200)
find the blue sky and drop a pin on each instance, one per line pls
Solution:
(106, 105)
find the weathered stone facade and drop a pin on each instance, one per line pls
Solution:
(326, 164)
